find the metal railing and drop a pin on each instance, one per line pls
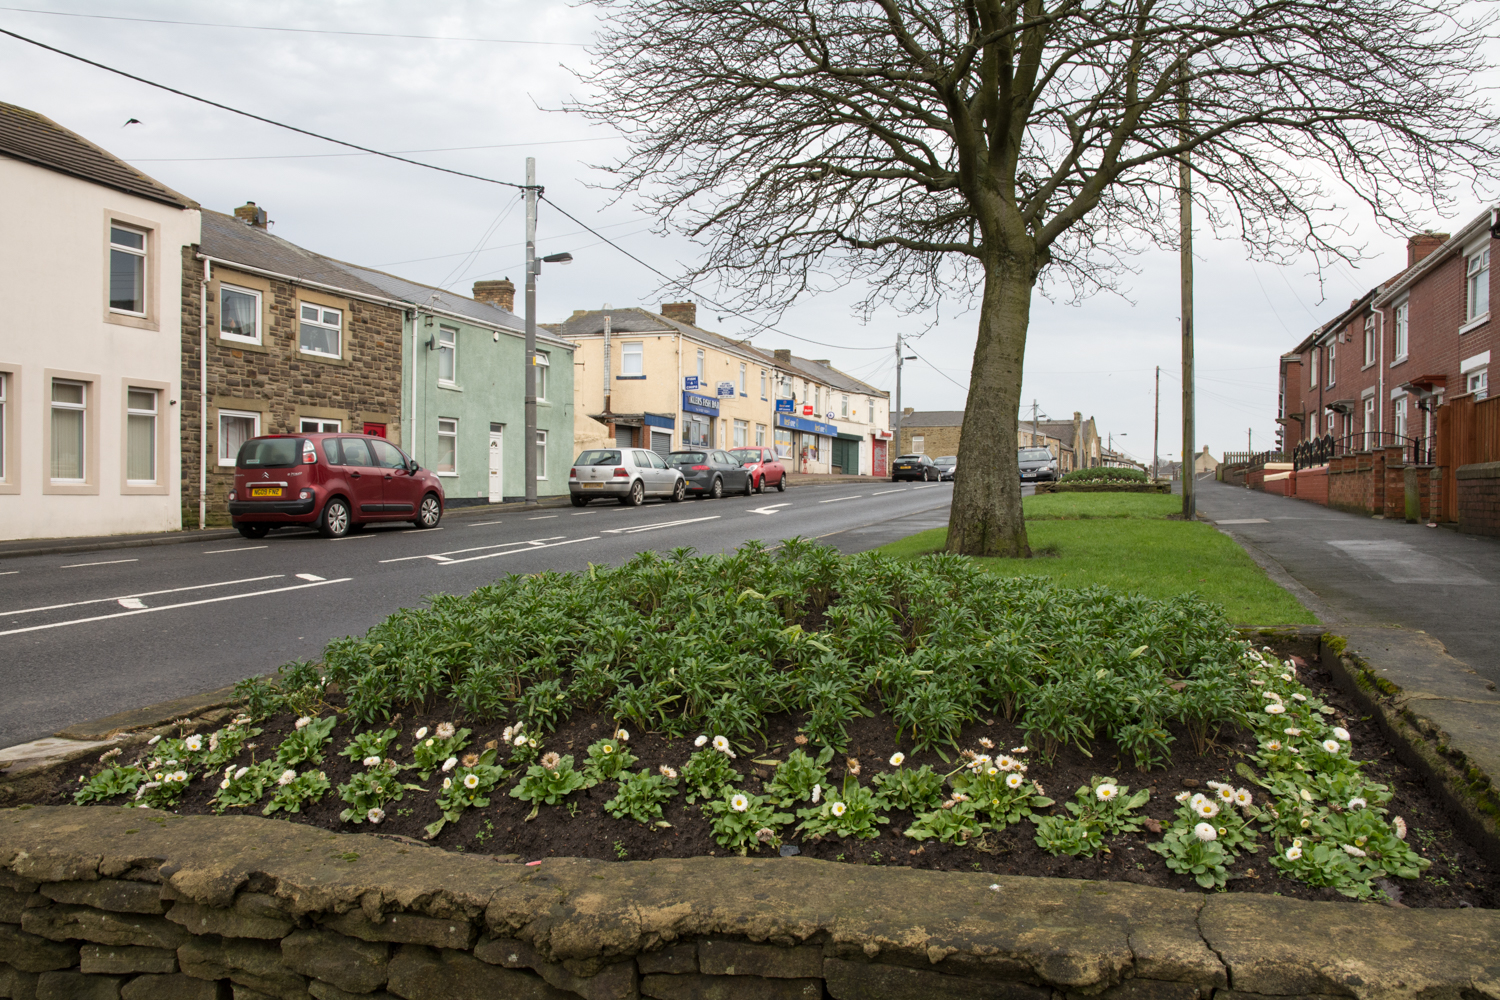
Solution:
(1319, 451)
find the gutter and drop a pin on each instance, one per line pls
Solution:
(307, 282)
(1432, 260)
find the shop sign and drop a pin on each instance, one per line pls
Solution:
(690, 381)
(786, 406)
(726, 389)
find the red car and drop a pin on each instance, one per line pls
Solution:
(334, 481)
(765, 468)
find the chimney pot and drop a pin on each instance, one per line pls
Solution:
(1423, 244)
(250, 215)
(500, 293)
(784, 356)
(682, 312)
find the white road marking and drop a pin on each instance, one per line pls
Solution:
(131, 602)
(145, 593)
(837, 499)
(533, 548)
(242, 548)
(1400, 562)
(577, 513)
(407, 531)
(929, 486)
(10, 572)
(110, 562)
(766, 510)
(1245, 520)
(350, 538)
(884, 492)
(173, 607)
(476, 548)
(480, 524)
(652, 527)
(543, 517)
(311, 577)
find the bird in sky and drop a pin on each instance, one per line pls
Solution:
(133, 121)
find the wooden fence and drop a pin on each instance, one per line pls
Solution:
(1468, 433)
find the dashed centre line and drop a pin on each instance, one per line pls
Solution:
(146, 593)
(884, 492)
(837, 499)
(443, 556)
(107, 562)
(241, 548)
(636, 529)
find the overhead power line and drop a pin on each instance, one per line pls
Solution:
(326, 156)
(935, 368)
(301, 31)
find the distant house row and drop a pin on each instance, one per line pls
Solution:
(170, 334)
(1075, 443)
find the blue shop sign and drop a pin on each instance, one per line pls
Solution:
(692, 402)
(690, 381)
(786, 406)
(805, 425)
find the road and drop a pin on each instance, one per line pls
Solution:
(90, 634)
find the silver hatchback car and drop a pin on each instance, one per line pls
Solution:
(628, 475)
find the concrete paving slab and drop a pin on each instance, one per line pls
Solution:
(37, 753)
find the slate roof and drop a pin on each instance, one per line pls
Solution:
(228, 239)
(932, 418)
(36, 139)
(637, 320)
(832, 377)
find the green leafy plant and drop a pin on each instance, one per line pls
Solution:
(548, 782)
(1325, 864)
(304, 744)
(467, 787)
(109, 783)
(369, 792)
(293, 791)
(1109, 804)
(432, 750)
(641, 796)
(245, 786)
(706, 774)
(1195, 853)
(1069, 835)
(796, 776)
(370, 743)
(852, 811)
(607, 759)
(919, 790)
(956, 821)
(743, 822)
(999, 790)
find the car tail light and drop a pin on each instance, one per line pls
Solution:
(231, 496)
(622, 471)
(305, 495)
(309, 455)
(698, 468)
(572, 473)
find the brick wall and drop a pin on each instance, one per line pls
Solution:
(935, 440)
(277, 379)
(1479, 499)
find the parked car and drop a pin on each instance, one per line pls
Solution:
(628, 475)
(711, 473)
(1037, 465)
(913, 467)
(337, 482)
(765, 468)
(947, 465)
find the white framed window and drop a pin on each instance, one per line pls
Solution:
(918, 443)
(871, 401)
(1312, 380)
(760, 435)
(763, 384)
(4, 424)
(447, 453)
(1370, 340)
(447, 355)
(541, 454)
(239, 314)
(1403, 314)
(69, 409)
(1369, 422)
(140, 436)
(741, 433)
(1478, 382)
(1479, 283)
(321, 331)
(844, 407)
(235, 428)
(633, 360)
(700, 368)
(543, 367)
(1401, 416)
(1332, 348)
(1331, 422)
(744, 385)
(317, 425)
(127, 270)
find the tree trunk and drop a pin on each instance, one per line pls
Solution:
(986, 517)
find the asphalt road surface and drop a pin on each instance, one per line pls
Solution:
(90, 634)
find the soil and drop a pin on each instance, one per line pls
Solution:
(1459, 877)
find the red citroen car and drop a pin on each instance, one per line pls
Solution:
(765, 468)
(334, 481)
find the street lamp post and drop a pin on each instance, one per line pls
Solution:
(533, 268)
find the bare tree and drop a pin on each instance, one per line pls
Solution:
(973, 148)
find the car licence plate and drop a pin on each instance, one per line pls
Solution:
(592, 486)
(266, 491)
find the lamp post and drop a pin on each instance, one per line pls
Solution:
(533, 268)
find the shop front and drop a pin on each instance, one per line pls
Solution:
(845, 457)
(699, 412)
(811, 442)
(880, 457)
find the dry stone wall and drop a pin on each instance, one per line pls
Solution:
(126, 904)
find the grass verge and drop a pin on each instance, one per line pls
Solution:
(1077, 506)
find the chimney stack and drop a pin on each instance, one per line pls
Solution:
(500, 293)
(1422, 244)
(822, 361)
(784, 356)
(250, 215)
(908, 411)
(682, 312)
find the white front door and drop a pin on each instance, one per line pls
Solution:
(497, 461)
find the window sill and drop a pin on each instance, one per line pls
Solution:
(242, 345)
(1367, 366)
(634, 378)
(450, 386)
(131, 319)
(9, 489)
(1400, 361)
(144, 490)
(323, 359)
(1474, 323)
(70, 489)
(446, 475)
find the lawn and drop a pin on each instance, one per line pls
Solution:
(1124, 541)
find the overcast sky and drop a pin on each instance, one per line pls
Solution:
(409, 93)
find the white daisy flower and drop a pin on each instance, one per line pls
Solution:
(471, 781)
(304, 722)
(739, 803)
(551, 761)
(765, 834)
(1198, 799)
(152, 741)
(981, 759)
(1207, 809)
(193, 743)
(1275, 709)
(241, 773)
(1299, 696)
(1272, 695)
(986, 742)
(817, 793)
(430, 742)
(421, 734)
(1257, 682)
(1226, 794)
(1005, 763)
(992, 771)
(1018, 750)
(1216, 785)
(1286, 677)
(1353, 851)
(1292, 731)
(375, 815)
(1273, 745)
(1013, 780)
(447, 783)
(1399, 825)
(1106, 792)
(445, 731)
(287, 777)
(1357, 803)
(372, 761)
(667, 772)
(450, 763)
(224, 783)
(721, 744)
(1341, 733)
(1205, 832)
(520, 741)
(1182, 797)
(1294, 853)
(506, 733)
(1307, 796)
(622, 735)
(609, 748)
(897, 758)
(1332, 746)
(700, 741)
(1243, 798)
(838, 808)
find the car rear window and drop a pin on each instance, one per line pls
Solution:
(908, 458)
(598, 457)
(1035, 454)
(269, 453)
(946, 460)
(686, 458)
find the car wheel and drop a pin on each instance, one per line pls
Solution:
(429, 512)
(717, 490)
(749, 486)
(335, 520)
(579, 500)
(636, 496)
(760, 485)
(781, 484)
(679, 491)
(253, 530)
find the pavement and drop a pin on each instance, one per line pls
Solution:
(88, 635)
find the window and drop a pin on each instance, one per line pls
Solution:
(760, 434)
(918, 442)
(140, 437)
(1478, 383)
(1369, 422)
(1330, 422)
(447, 453)
(322, 331)
(1401, 416)
(316, 425)
(235, 428)
(543, 366)
(844, 407)
(695, 430)
(1313, 368)
(783, 443)
(700, 369)
(4, 415)
(744, 388)
(741, 433)
(872, 409)
(763, 384)
(1479, 284)
(541, 454)
(1332, 347)
(1369, 340)
(69, 405)
(127, 270)
(1403, 312)
(633, 360)
(447, 352)
(239, 314)
(387, 455)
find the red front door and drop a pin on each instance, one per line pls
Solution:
(376, 429)
(878, 458)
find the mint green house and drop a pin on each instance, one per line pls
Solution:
(463, 391)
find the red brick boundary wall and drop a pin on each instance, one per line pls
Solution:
(1479, 498)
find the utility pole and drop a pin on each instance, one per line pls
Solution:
(899, 352)
(1033, 422)
(1185, 235)
(530, 443)
(1156, 429)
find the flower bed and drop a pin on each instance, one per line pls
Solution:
(864, 709)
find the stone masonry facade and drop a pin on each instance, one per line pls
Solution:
(276, 379)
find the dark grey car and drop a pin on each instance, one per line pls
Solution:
(1037, 465)
(710, 472)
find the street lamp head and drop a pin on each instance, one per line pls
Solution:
(558, 258)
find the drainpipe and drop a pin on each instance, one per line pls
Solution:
(411, 445)
(208, 271)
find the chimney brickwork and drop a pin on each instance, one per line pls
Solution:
(682, 312)
(250, 215)
(500, 293)
(784, 356)
(1422, 244)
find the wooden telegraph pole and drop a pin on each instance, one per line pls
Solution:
(1185, 235)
